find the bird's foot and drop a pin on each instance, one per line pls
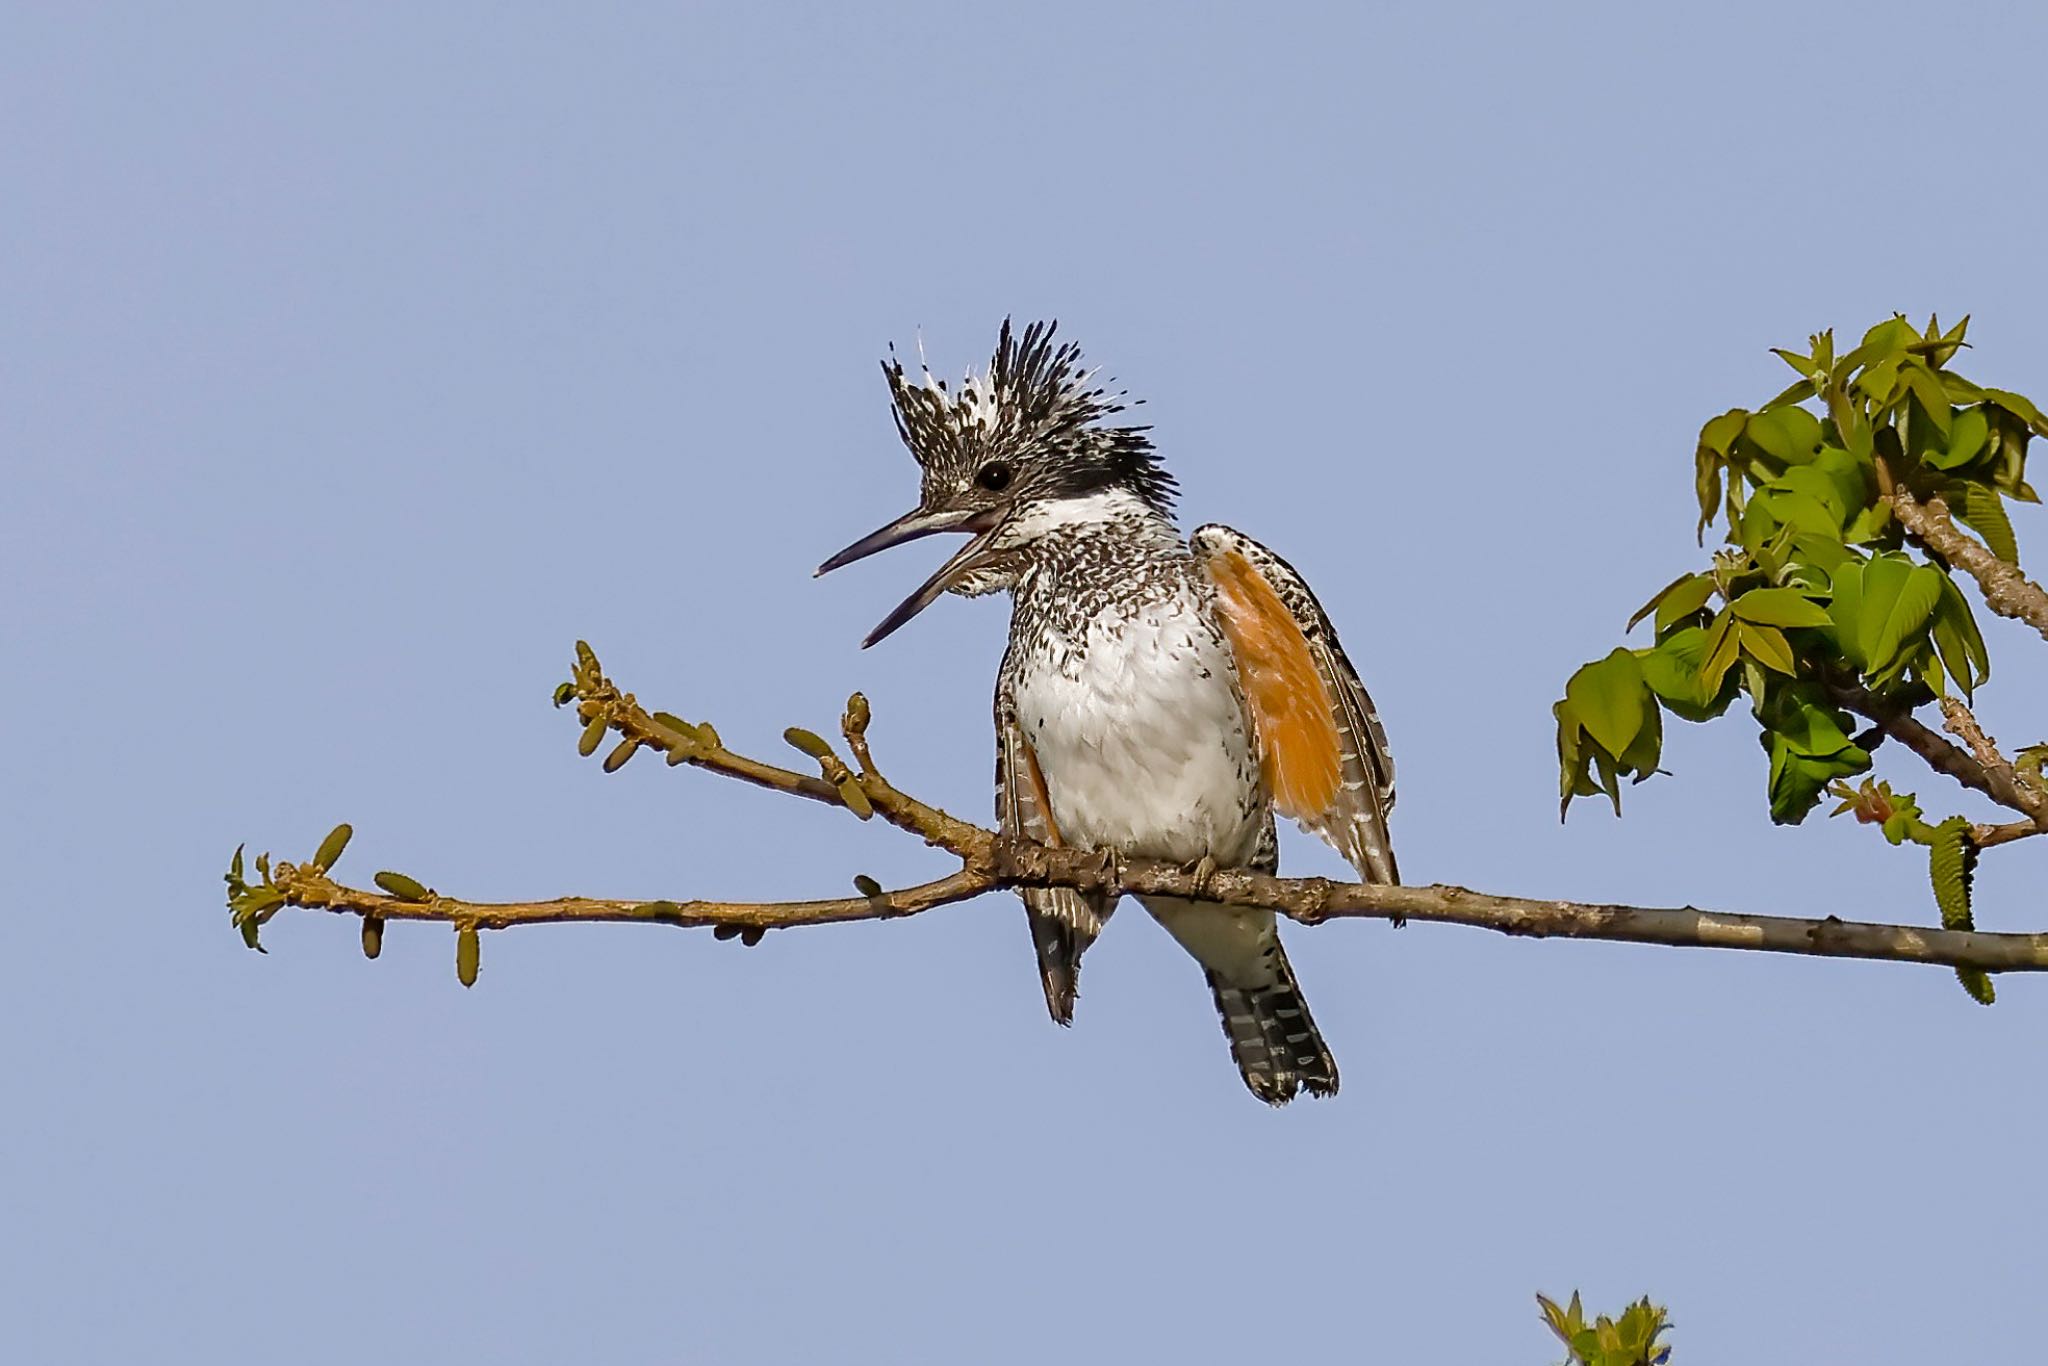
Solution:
(1201, 870)
(1110, 868)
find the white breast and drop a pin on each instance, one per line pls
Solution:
(1142, 737)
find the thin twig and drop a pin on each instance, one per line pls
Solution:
(309, 887)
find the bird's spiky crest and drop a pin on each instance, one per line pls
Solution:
(1034, 398)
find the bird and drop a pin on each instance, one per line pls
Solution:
(1160, 697)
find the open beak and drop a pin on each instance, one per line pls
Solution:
(910, 527)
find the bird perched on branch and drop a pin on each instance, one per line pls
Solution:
(1160, 698)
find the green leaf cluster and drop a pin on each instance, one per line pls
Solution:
(250, 904)
(1814, 588)
(1635, 1339)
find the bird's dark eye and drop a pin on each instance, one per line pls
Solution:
(994, 477)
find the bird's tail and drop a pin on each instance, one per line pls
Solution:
(1064, 923)
(1274, 1039)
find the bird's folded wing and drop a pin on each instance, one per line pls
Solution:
(1321, 745)
(1064, 922)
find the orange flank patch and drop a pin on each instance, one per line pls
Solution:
(1296, 722)
(1035, 775)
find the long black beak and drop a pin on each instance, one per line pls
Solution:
(910, 527)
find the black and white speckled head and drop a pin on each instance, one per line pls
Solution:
(1034, 425)
(1010, 454)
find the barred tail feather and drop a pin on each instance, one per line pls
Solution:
(1063, 924)
(1274, 1039)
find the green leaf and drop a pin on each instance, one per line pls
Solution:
(373, 935)
(468, 954)
(1898, 598)
(1868, 525)
(1778, 607)
(1686, 602)
(1854, 479)
(1783, 438)
(1672, 671)
(593, 734)
(1825, 553)
(1574, 761)
(1767, 646)
(1804, 429)
(1960, 391)
(1958, 641)
(1904, 821)
(1609, 776)
(1644, 751)
(1717, 438)
(1845, 609)
(1718, 652)
(1794, 508)
(2008, 442)
(1800, 715)
(2020, 407)
(257, 904)
(1983, 511)
(1802, 366)
(1879, 385)
(1609, 698)
(1966, 440)
(1952, 864)
(1818, 485)
(331, 848)
(1718, 435)
(1798, 780)
(1927, 391)
(1699, 586)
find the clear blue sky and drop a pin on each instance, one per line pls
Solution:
(353, 365)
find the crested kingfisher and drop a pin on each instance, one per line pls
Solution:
(1160, 697)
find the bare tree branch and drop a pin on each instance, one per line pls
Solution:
(1309, 900)
(1989, 836)
(2006, 590)
(2007, 786)
(991, 862)
(1896, 720)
